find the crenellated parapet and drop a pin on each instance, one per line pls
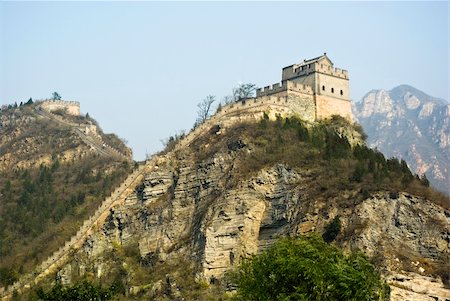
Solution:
(337, 72)
(56, 101)
(52, 105)
(284, 86)
(299, 70)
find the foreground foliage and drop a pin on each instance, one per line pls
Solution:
(82, 291)
(307, 268)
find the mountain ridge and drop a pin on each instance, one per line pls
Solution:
(406, 87)
(407, 123)
(229, 192)
(235, 184)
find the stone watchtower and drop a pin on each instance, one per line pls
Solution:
(329, 88)
(329, 84)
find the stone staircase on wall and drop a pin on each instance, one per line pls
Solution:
(60, 256)
(95, 141)
(230, 114)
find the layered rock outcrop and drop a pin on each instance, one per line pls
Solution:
(201, 211)
(198, 204)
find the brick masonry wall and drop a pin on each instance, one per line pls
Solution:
(328, 106)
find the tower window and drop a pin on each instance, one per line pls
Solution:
(342, 92)
(323, 88)
(332, 90)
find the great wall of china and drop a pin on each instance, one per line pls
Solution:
(62, 254)
(88, 137)
(52, 105)
(245, 110)
(287, 98)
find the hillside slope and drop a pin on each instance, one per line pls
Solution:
(52, 176)
(203, 207)
(409, 124)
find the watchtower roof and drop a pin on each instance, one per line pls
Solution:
(310, 61)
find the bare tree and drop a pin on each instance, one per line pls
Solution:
(244, 91)
(227, 99)
(204, 109)
(169, 143)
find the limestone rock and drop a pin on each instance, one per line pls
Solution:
(190, 209)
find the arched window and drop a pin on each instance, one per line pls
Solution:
(342, 92)
(332, 90)
(323, 88)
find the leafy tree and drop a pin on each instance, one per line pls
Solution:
(337, 146)
(29, 102)
(332, 229)
(359, 172)
(7, 276)
(424, 180)
(7, 188)
(82, 291)
(56, 96)
(307, 268)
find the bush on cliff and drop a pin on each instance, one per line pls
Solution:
(82, 291)
(332, 229)
(306, 268)
(322, 148)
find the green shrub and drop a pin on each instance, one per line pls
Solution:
(82, 291)
(332, 230)
(44, 206)
(307, 268)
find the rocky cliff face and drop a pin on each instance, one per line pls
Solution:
(407, 123)
(205, 212)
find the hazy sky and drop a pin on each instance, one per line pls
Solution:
(140, 68)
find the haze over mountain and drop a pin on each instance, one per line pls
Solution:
(407, 123)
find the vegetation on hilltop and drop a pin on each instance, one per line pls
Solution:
(322, 148)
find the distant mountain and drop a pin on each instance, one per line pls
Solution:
(407, 123)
